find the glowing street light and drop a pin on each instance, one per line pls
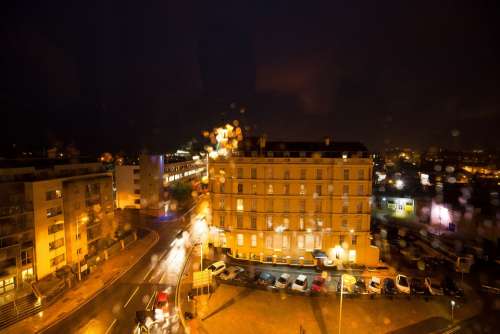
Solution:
(452, 303)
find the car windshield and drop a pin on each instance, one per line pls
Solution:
(212, 268)
(299, 282)
(374, 284)
(282, 280)
(403, 281)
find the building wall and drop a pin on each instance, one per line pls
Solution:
(50, 238)
(128, 186)
(290, 206)
(151, 182)
(16, 237)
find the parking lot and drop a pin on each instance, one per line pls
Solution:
(246, 310)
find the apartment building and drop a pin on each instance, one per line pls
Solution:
(144, 186)
(52, 216)
(294, 202)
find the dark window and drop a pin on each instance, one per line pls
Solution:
(137, 201)
(137, 191)
(239, 221)
(52, 212)
(53, 194)
(240, 188)
(26, 256)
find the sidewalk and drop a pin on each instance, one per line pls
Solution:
(76, 297)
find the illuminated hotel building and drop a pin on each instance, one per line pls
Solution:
(294, 202)
(52, 216)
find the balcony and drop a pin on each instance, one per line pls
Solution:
(6, 211)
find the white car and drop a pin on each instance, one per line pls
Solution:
(283, 281)
(375, 285)
(433, 287)
(216, 268)
(231, 273)
(403, 284)
(300, 283)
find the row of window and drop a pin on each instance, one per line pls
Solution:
(318, 205)
(287, 175)
(55, 211)
(279, 241)
(285, 190)
(285, 223)
(53, 194)
(56, 260)
(54, 228)
(56, 244)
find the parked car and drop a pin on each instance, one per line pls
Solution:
(266, 279)
(433, 287)
(375, 285)
(403, 284)
(450, 288)
(231, 273)
(389, 287)
(300, 283)
(360, 286)
(417, 287)
(283, 281)
(318, 284)
(217, 268)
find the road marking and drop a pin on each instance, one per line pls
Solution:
(131, 296)
(110, 326)
(452, 330)
(149, 271)
(150, 300)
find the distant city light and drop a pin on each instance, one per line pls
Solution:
(399, 184)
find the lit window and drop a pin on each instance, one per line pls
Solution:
(301, 223)
(352, 255)
(302, 189)
(286, 222)
(300, 242)
(286, 242)
(269, 222)
(254, 188)
(317, 242)
(253, 240)
(270, 205)
(239, 239)
(270, 189)
(309, 241)
(269, 241)
(239, 204)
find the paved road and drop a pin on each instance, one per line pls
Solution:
(113, 310)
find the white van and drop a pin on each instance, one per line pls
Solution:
(217, 267)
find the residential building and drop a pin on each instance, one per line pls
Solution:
(290, 201)
(52, 215)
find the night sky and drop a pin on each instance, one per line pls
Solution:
(130, 75)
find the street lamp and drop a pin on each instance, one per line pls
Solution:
(452, 302)
(341, 294)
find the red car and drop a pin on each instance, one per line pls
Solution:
(318, 284)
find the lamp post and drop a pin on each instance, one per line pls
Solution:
(452, 302)
(341, 294)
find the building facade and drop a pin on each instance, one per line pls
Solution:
(52, 217)
(289, 202)
(145, 186)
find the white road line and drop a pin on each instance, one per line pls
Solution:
(150, 300)
(131, 296)
(110, 326)
(162, 277)
(149, 271)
